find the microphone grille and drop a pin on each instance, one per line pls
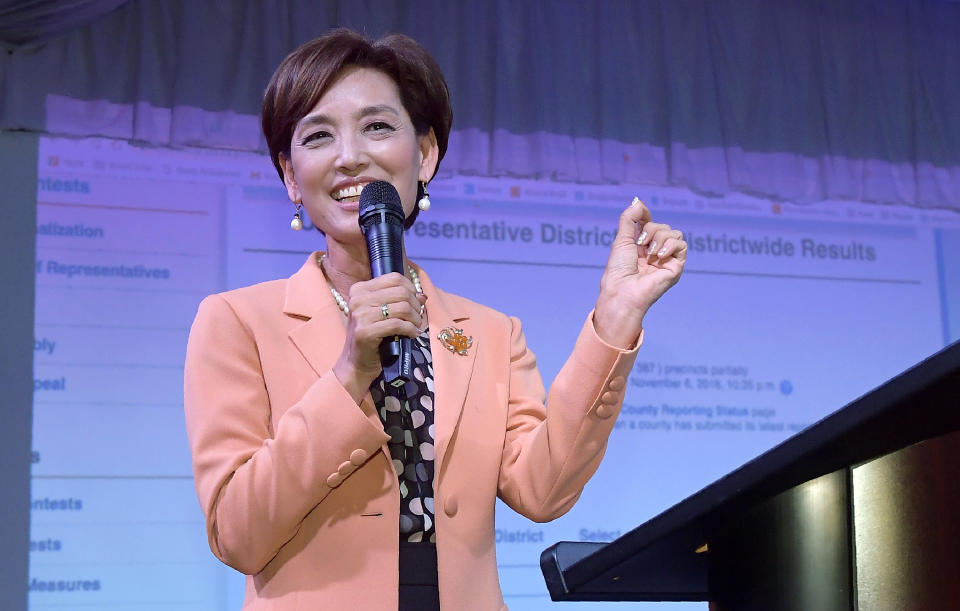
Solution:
(381, 193)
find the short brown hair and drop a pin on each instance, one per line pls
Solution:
(304, 76)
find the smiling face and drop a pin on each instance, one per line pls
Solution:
(357, 133)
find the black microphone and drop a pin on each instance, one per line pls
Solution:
(381, 221)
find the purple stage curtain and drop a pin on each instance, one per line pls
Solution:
(795, 101)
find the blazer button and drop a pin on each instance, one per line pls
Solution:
(358, 457)
(616, 384)
(334, 480)
(609, 398)
(603, 411)
(346, 468)
(450, 506)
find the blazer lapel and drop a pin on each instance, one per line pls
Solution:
(320, 337)
(451, 372)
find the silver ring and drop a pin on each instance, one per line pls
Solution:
(385, 310)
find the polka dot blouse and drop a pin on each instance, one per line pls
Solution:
(407, 416)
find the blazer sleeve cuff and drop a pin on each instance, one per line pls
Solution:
(597, 355)
(356, 424)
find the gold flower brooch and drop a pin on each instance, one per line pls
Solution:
(455, 341)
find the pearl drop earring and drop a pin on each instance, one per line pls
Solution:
(424, 203)
(297, 223)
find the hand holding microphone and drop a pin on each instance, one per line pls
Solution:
(385, 312)
(381, 221)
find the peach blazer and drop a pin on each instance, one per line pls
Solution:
(296, 482)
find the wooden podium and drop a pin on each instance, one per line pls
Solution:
(859, 511)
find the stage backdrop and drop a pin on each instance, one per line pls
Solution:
(785, 313)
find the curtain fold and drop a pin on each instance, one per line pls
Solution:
(795, 101)
(31, 21)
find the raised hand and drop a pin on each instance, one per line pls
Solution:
(646, 259)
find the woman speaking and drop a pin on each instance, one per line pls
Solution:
(329, 488)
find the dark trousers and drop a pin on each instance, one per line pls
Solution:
(418, 577)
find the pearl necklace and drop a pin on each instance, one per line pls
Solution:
(342, 303)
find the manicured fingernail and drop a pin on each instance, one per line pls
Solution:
(640, 240)
(650, 249)
(662, 251)
(635, 202)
